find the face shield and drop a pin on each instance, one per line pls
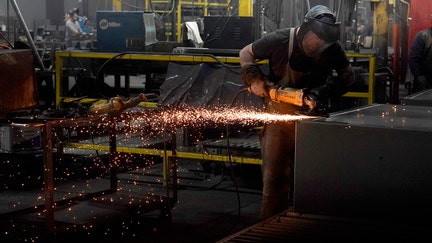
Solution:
(329, 32)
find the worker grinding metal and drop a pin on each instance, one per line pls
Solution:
(302, 61)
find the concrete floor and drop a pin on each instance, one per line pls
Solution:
(209, 207)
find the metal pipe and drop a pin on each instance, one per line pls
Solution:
(8, 20)
(48, 148)
(113, 155)
(48, 175)
(26, 31)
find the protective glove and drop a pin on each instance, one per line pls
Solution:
(319, 93)
(260, 88)
(316, 100)
(255, 80)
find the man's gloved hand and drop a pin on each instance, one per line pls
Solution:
(319, 93)
(255, 80)
(260, 88)
(316, 100)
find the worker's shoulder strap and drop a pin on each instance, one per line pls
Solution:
(288, 78)
(291, 42)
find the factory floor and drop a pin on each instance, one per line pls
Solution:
(213, 202)
(209, 206)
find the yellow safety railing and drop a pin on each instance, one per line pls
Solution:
(370, 94)
(165, 154)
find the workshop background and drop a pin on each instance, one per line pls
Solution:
(144, 131)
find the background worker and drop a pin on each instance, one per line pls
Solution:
(72, 29)
(420, 60)
(304, 60)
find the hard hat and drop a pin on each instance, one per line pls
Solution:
(320, 20)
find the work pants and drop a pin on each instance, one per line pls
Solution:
(277, 149)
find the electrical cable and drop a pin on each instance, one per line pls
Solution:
(75, 74)
(166, 54)
(212, 187)
(166, 12)
(99, 70)
(189, 187)
(231, 163)
(231, 103)
(207, 40)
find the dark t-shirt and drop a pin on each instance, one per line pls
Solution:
(314, 71)
(420, 57)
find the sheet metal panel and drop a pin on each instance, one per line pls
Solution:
(420, 98)
(373, 162)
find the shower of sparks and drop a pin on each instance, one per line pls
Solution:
(224, 116)
(202, 118)
(143, 124)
